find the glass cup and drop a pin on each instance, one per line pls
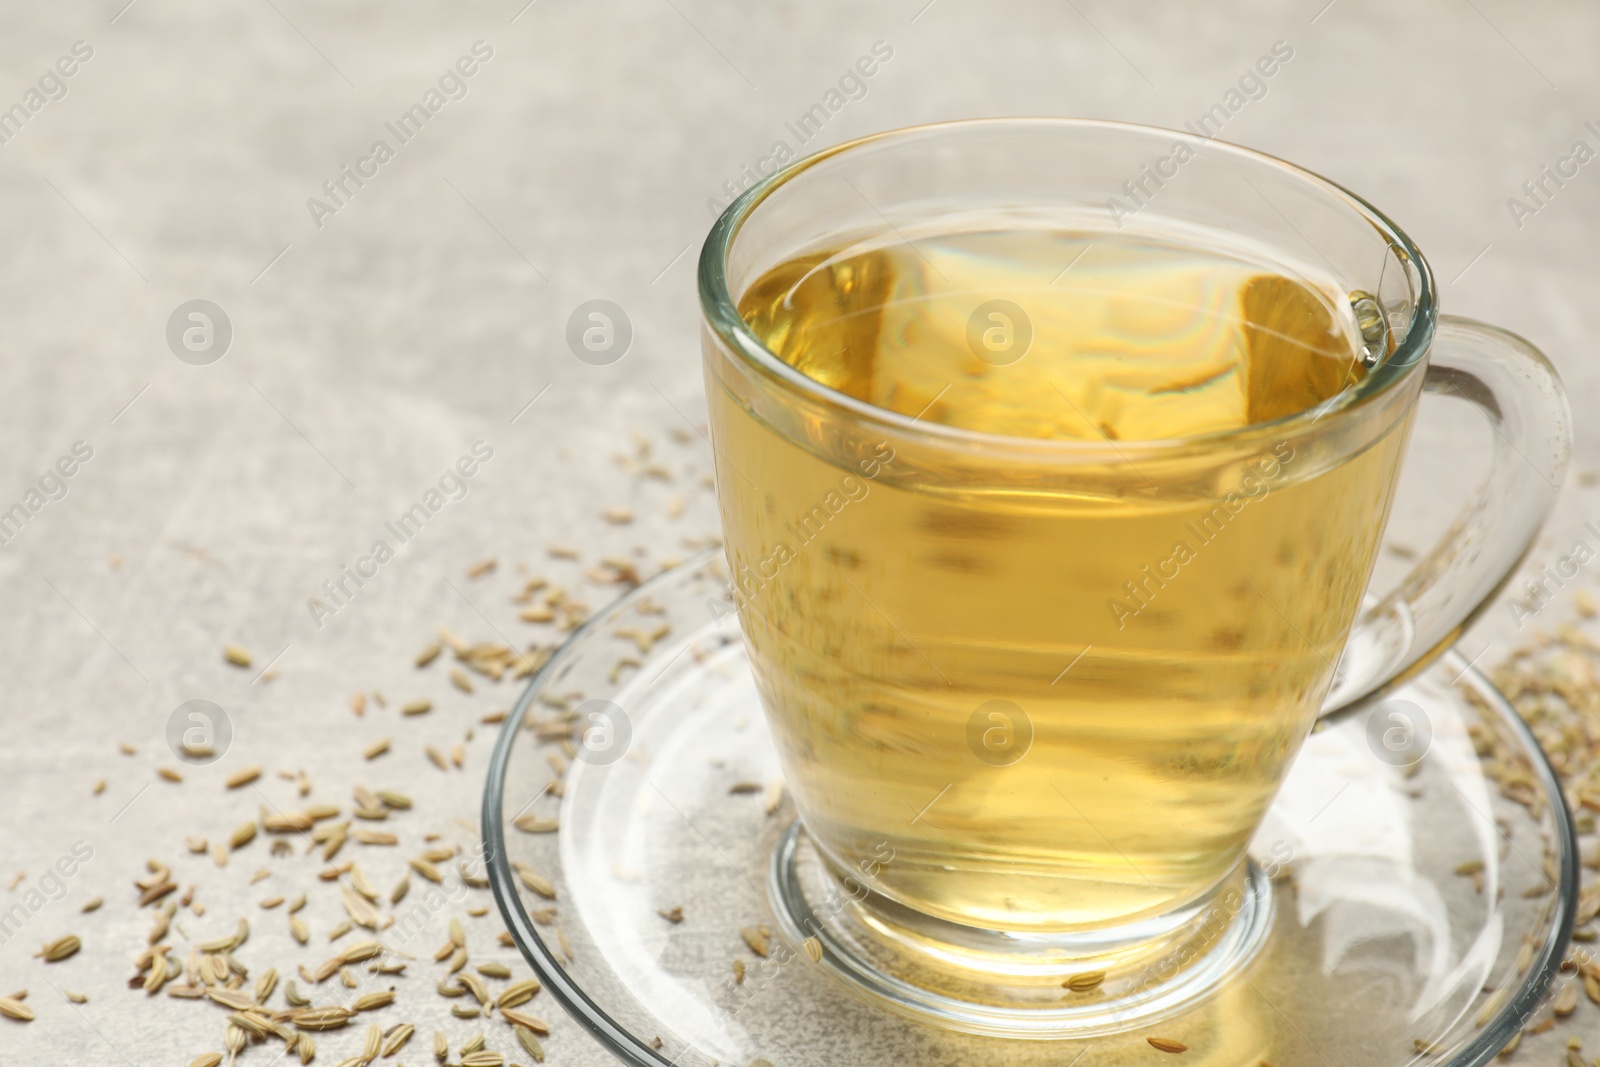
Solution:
(1033, 696)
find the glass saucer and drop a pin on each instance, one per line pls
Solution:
(1416, 899)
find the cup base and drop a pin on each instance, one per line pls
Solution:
(989, 982)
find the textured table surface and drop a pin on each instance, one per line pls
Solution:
(374, 344)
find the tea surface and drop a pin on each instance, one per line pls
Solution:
(1121, 339)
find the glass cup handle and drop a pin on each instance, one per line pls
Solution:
(1520, 395)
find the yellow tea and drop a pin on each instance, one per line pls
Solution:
(1037, 690)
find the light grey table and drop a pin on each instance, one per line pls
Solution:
(373, 345)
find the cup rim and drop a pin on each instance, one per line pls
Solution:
(721, 312)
